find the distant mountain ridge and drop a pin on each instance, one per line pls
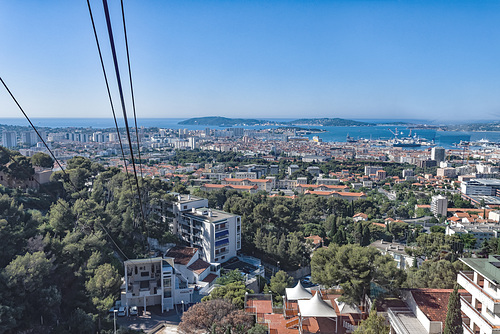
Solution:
(224, 121)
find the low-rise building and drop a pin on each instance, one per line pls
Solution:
(398, 253)
(424, 312)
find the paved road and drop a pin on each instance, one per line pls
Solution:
(420, 220)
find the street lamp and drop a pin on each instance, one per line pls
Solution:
(114, 319)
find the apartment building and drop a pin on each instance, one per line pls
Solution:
(167, 281)
(481, 303)
(423, 311)
(439, 205)
(153, 281)
(216, 233)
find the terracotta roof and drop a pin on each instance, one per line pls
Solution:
(210, 185)
(199, 266)
(316, 239)
(433, 302)
(351, 194)
(210, 278)
(181, 255)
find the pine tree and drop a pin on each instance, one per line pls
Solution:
(365, 239)
(453, 323)
(282, 246)
(374, 324)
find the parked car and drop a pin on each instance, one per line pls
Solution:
(133, 311)
(307, 280)
(121, 311)
(118, 303)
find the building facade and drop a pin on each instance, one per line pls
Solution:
(216, 233)
(481, 303)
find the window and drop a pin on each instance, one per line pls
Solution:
(144, 273)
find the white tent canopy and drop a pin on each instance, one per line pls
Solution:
(316, 307)
(346, 308)
(298, 292)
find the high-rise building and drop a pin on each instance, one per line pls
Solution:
(29, 138)
(9, 139)
(438, 154)
(439, 205)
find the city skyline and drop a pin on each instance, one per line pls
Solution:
(278, 59)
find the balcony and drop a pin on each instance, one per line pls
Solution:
(222, 253)
(478, 318)
(465, 279)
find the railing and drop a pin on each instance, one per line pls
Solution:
(465, 276)
(292, 322)
(478, 314)
(464, 325)
(396, 323)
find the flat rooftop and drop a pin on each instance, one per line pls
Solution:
(405, 321)
(488, 182)
(211, 215)
(188, 198)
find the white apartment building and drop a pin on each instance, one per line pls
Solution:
(9, 139)
(481, 232)
(439, 205)
(167, 281)
(216, 233)
(481, 303)
(438, 154)
(154, 281)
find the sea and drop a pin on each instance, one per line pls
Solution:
(446, 139)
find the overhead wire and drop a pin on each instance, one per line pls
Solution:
(39, 136)
(122, 100)
(65, 204)
(109, 93)
(131, 86)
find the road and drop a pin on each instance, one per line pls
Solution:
(390, 196)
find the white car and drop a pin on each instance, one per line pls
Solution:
(133, 311)
(121, 311)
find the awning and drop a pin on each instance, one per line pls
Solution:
(316, 307)
(298, 292)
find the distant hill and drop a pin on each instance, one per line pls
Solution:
(221, 121)
(224, 121)
(328, 122)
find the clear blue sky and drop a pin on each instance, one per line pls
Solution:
(434, 60)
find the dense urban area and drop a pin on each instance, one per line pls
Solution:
(236, 230)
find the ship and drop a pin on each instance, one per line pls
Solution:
(410, 141)
(350, 139)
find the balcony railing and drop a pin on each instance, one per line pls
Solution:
(467, 328)
(475, 315)
(396, 322)
(464, 279)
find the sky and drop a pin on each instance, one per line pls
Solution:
(433, 60)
